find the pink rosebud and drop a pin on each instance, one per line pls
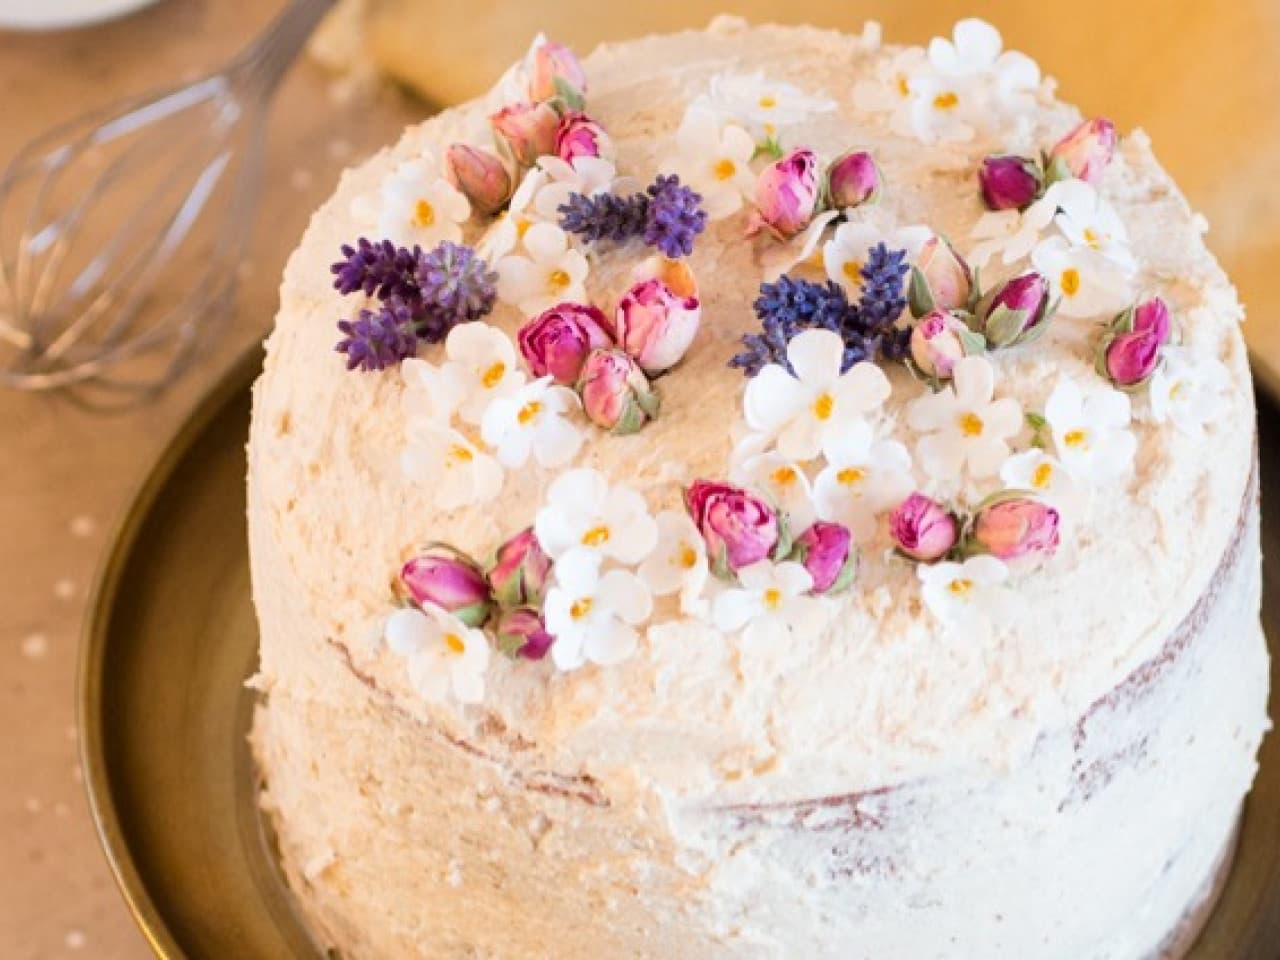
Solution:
(528, 129)
(940, 279)
(615, 392)
(449, 579)
(786, 195)
(1016, 527)
(655, 325)
(1129, 352)
(1084, 152)
(923, 529)
(938, 342)
(580, 136)
(554, 69)
(826, 551)
(481, 176)
(738, 527)
(1152, 317)
(1017, 311)
(519, 571)
(852, 180)
(1009, 182)
(556, 342)
(523, 633)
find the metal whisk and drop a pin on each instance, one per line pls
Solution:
(121, 232)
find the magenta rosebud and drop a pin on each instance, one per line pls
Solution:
(519, 571)
(1017, 311)
(1084, 152)
(616, 394)
(738, 527)
(1152, 317)
(655, 325)
(826, 551)
(523, 633)
(923, 529)
(554, 72)
(1129, 353)
(528, 129)
(940, 279)
(786, 195)
(1015, 527)
(482, 177)
(852, 180)
(557, 341)
(449, 579)
(1009, 182)
(580, 136)
(939, 341)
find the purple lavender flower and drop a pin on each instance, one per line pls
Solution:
(675, 217)
(454, 286)
(881, 303)
(379, 268)
(377, 340)
(604, 216)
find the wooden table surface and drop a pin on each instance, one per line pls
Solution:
(1201, 77)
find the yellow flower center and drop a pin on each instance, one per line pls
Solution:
(784, 476)
(688, 556)
(823, 406)
(493, 376)
(904, 89)
(460, 454)
(1070, 282)
(960, 586)
(1075, 438)
(1091, 238)
(770, 130)
(424, 214)
(946, 101)
(724, 169)
(850, 476)
(971, 425)
(768, 101)
(852, 270)
(1043, 474)
(454, 643)
(528, 413)
(581, 607)
(772, 598)
(595, 536)
(557, 280)
(1176, 390)
(522, 226)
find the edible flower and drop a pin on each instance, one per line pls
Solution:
(738, 527)
(528, 129)
(786, 195)
(656, 325)
(480, 176)
(852, 179)
(772, 606)
(533, 422)
(967, 596)
(446, 658)
(1189, 392)
(678, 565)
(593, 615)
(557, 341)
(923, 529)
(555, 72)
(1017, 311)
(583, 510)
(1007, 181)
(552, 273)
(939, 341)
(863, 478)
(715, 159)
(521, 632)
(421, 207)
(1090, 430)
(450, 467)
(450, 580)
(580, 136)
(965, 427)
(1129, 352)
(615, 393)
(826, 551)
(1085, 152)
(1012, 526)
(940, 279)
(519, 571)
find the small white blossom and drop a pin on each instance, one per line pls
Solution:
(480, 367)
(846, 253)
(782, 480)
(584, 511)
(891, 91)
(1087, 220)
(968, 596)
(585, 175)
(802, 411)
(533, 421)
(1091, 430)
(965, 428)
(762, 105)
(715, 160)
(1087, 283)
(976, 51)
(942, 108)
(449, 465)
(679, 562)
(446, 658)
(593, 616)
(1044, 475)
(552, 273)
(1009, 233)
(863, 478)
(1190, 393)
(419, 206)
(508, 229)
(429, 394)
(772, 603)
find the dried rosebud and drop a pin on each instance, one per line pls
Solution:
(519, 572)
(556, 72)
(826, 550)
(923, 529)
(557, 341)
(528, 129)
(940, 279)
(616, 394)
(1129, 352)
(580, 136)
(738, 527)
(786, 195)
(655, 325)
(852, 180)
(1014, 526)
(523, 633)
(1017, 311)
(1084, 152)
(449, 579)
(1009, 182)
(939, 341)
(481, 176)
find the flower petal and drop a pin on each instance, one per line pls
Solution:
(611, 642)
(546, 242)
(734, 608)
(816, 356)
(625, 594)
(407, 631)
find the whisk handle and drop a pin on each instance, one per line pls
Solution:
(265, 61)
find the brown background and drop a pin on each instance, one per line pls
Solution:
(1202, 78)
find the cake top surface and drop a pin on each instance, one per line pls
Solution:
(872, 545)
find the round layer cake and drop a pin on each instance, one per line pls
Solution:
(919, 620)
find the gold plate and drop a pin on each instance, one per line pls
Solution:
(164, 716)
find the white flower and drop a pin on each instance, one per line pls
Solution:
(1009, 233)
(593, 616)
(481, 367)
(863, 478)
(845, 254)
(449, 465)
(1044, 475)
(891, 90)
(772, 602)
(429, 394)
(532, 422)
(585, 175)
(975, 52)
(715, 160)
(1086, 219)
(446, 657)
(1088, 284)
(941, 108)
(1090, 430)
(761, 105)
(583, 511)
(964, 426)
(1190, 393)
(968, 595)
(552, 273)
(420, 206)
(508, 230)
(800, 249)
(679, 562)
(781, 479)
(819, 401)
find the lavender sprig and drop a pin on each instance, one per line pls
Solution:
(379, 268)
(883, 300)
(377, 340)
(604, 216)
(667, 215)
(455, 286)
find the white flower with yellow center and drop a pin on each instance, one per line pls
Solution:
(1090, 430)
(942, 107)
(715, 160)
(969, 595)
(772, 603)
(585, 175)
(584, 511)
(446, 658)
(819, 402)
(1088, 221)
(1085, 283)
(419, 206)
(863, 478)
(532, 422)
(451, 467)
(480, 367)
(892, 89)
(507, 231)
(1190, 393)
(679, 562)
(552, 273)
(976, 53)
(1043, 474)
(1009, 233)
(846, 253)
(762, 105)
(782, 480)
(593, 616)
(428, 394)
(965, 428)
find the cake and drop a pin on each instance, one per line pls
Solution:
(777, 494)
